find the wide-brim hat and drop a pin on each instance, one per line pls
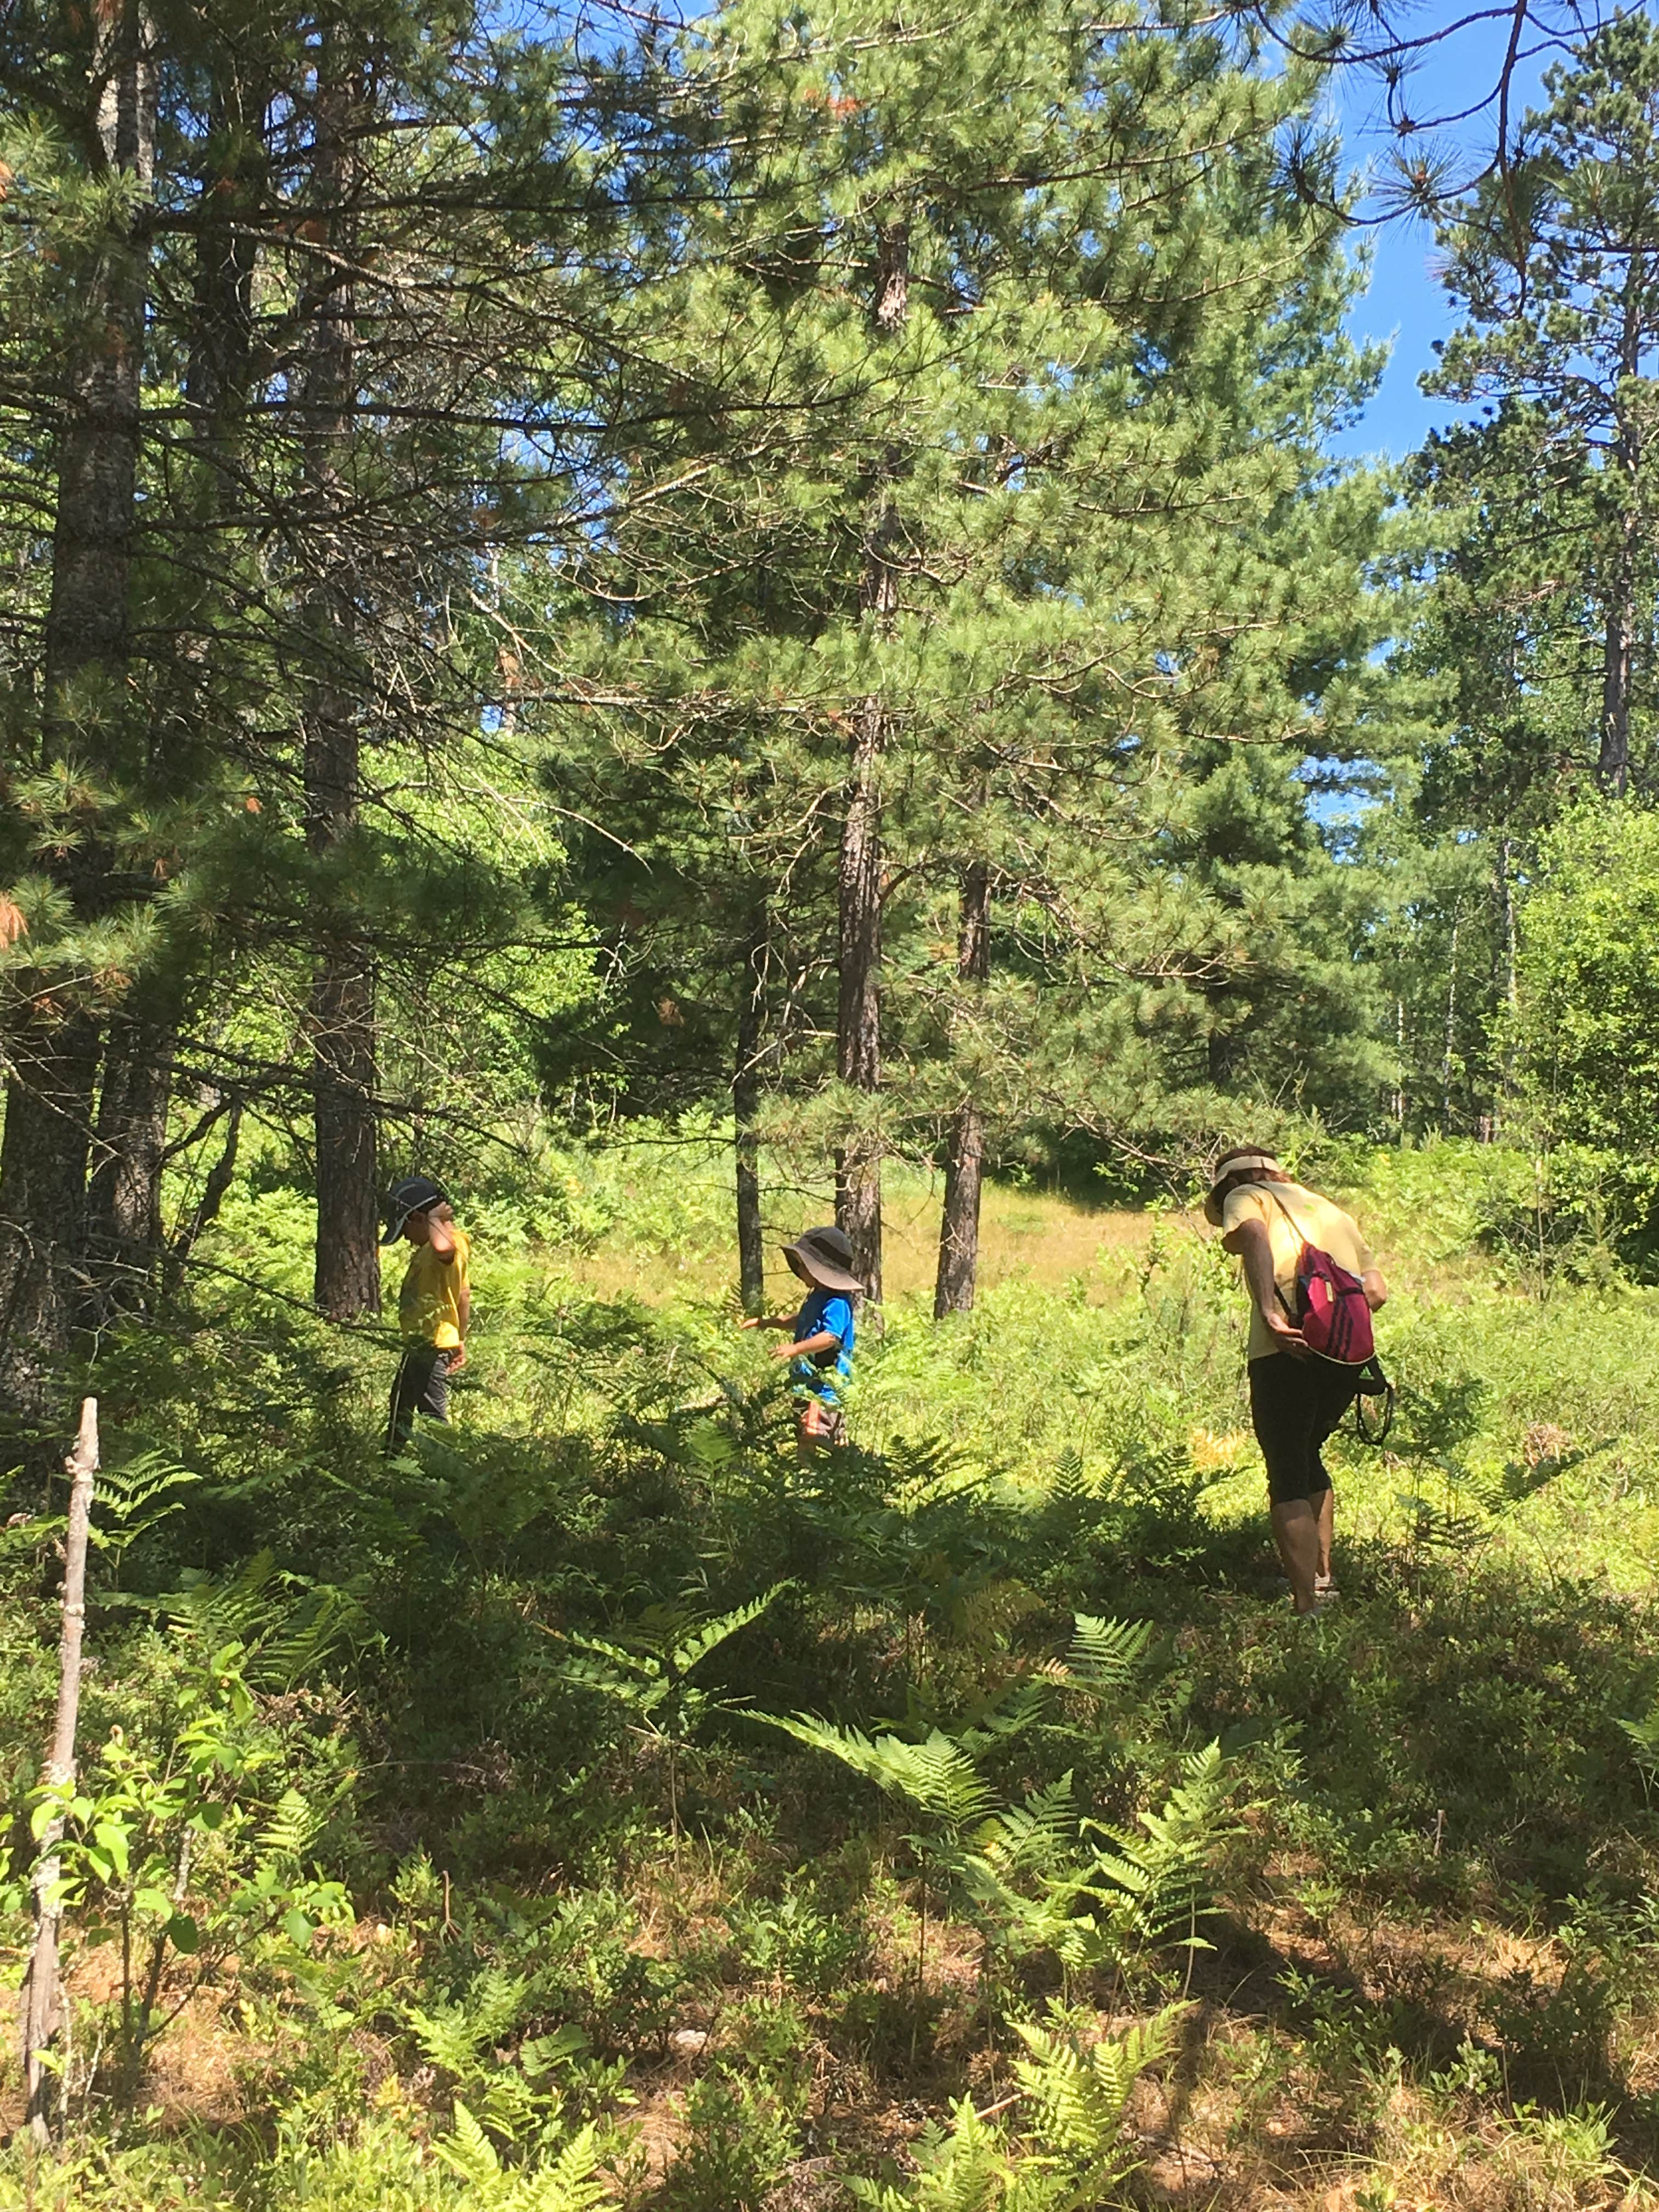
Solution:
(827, 1256)
(1246, 1162)
(414, 1194)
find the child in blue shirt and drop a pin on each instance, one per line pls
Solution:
(820, 1350)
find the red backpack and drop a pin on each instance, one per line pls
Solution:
(1330, 1309)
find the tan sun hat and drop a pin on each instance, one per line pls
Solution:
(827, 1256)
(1245, 1160)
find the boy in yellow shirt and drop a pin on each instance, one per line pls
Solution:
(434, 1306)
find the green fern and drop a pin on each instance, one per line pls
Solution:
(938, 1776)
(1104, 1653)
(1069, 2153)
(709, 1635)
(1153, 1886)
(965, 2168)
(136, 1497)
(570, 2184)
(468, 2151)
(288, 1628)
(649, 1676)
(1078, 2098)
(460, 2039)
(289, 1833)
(1034, 1834)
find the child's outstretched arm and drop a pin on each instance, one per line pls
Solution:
(768, 1320)
(809, 1346)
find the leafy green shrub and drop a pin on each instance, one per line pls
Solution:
(740, 2137)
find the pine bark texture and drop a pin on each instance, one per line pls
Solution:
(124, 1192)
(746, 1106)
(858, 1029)
(41, 2010)
(343, 1072)
(1619, 645)
(52, 1050)
(964, 1161)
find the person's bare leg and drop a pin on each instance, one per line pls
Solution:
(1295, 1532)
(1325, 1517)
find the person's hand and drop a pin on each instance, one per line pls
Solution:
(457, 1357)
(784, 1352)
(1290, 1338)
(751, 1321)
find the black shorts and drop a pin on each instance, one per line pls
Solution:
(421, 1386)
(1295, 1404)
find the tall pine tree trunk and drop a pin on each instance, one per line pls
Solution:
(745, 1105)
(1612, 763)
(858, 1029)
(964, 1161)
(52, 1052)
(123, 1192)
(125, 1234)
(1619, 644)
(343, 1072)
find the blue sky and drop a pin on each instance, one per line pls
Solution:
(1404, 302)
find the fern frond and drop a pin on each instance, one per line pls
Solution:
(1104, 1653)
(1006, 1715)
(1080, 2098)
(453, 2036)
(138, 1495)
(615, 1655)
(569, 2185)
(468, 2151)
(965, 2168)
(713, 1634)
(291, 1829)
(1033, 1834)
(1155, 1884)
(225, 1612)
(301, 1641)
(937, 1777)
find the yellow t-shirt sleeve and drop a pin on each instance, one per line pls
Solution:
(1244, 1205)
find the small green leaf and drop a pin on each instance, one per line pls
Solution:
(183, 1934)
(113, 1838)
(297, 1929)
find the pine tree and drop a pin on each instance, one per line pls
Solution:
(1556, 261)
(973, 548)
(337, 364)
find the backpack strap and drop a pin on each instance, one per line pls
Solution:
(1271, 1190)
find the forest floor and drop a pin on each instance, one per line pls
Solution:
(504, 1889)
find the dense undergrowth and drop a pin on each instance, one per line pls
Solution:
(594, 1805)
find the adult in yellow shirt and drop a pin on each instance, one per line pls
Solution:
(434, 1305)
(1296, 1399)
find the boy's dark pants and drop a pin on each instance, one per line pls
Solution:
(421, 1386)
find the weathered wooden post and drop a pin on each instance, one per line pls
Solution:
(43, 1996)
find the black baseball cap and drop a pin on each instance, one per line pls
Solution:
(414, 1194)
